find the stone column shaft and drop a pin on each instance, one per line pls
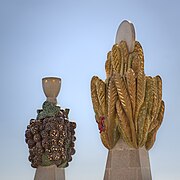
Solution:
(126, 163)
(49, 173)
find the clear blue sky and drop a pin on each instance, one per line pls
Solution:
(70, 39)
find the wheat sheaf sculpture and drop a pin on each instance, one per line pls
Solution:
(128, 103)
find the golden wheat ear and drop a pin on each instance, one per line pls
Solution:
(101, 93)
(112, 96)
(131, 86)
(94, 97)
(153, 131)
(123, 124)
(116, 58)
(108, 65)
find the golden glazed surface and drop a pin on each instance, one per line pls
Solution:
(128, 103)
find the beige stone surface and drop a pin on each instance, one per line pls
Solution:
(126, 32)
(127, 163)
(49, 173)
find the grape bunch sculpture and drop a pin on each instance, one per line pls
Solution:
(128, 104)
(50, 137)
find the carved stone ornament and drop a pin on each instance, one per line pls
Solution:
(128, 103)
(50, 137)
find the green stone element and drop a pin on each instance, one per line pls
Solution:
(46, 161)
(48, 110)
(64, 165)
(67, 111)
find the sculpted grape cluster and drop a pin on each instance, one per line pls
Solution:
(50, 137)
(128, 103)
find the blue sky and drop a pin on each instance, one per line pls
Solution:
(70, 39)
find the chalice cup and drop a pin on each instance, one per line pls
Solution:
(51, 88)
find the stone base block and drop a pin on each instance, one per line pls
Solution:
(49, 173)
(126, 163)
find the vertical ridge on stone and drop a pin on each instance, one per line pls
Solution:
(127, 163)
(49, 173)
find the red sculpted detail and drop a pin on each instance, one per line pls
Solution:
(101, 124)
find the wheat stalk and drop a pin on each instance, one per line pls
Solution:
(125, 55)
(101, 93)
(111, 103)
(152, 134)
(126, 104)
(149, 100)
(108, 66)
(116, 58)
(94, 97)
(123, 123)
(131, 84)
(140, 55)
(140, 94)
